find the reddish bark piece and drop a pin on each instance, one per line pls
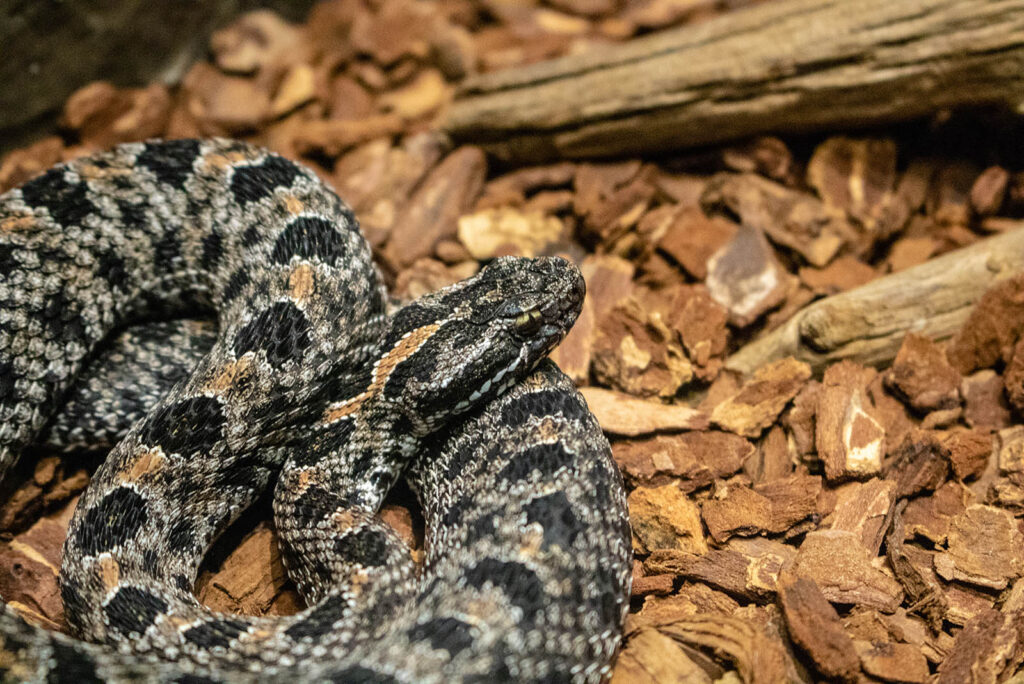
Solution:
(845, 273)
(691, 238)
(849, 438)
(920, 462)
(665, 518)
(433, 211)
(22, 164)
(505, 231)
(762, 398)
(988, 649)
(737, 509)
(622, 414)
(745, 568)
(700, 323)
(335, 136)
(992, 328)
(988, 190)
(635, 351)
(911, 251)
(652, 585)
(922, 374)
(257, 43)
(104, 116)
(746, 278)
(949, 199)
(930, 516)
(921, 586)
(430, 275)
(984, 548)
(791, 218)
(650, 657)
(252, 580)
(1013, 377)
(691, 460)
(222, 104)
(610, 198)
(969, 451)
(839, 564)
(29, 570)
(765, 155)
(893, 662)
(856, 176)
(863, 508)
(690, 599)
(792, 499)
(814, 625)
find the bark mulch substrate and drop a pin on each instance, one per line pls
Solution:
(840, 523)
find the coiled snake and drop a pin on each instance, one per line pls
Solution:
(308, 381)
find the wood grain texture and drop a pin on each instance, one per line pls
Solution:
(867, 324)
(785, 66)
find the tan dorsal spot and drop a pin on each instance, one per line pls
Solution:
(405, 348)
(178, 622)
(530, 542)
(93, 172)
(357, 581)
(343, 519)
(293, 204)
(218, 161)
(15, 224)
(344, 408)
(230, 374)
(307, 477)
(149, 461)
(548, 430)
(257, 635)
(108, 570)
(301, 282)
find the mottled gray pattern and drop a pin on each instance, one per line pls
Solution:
(528, 545)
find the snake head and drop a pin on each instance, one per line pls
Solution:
(454, 349)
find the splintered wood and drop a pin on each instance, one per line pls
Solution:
(808, 355)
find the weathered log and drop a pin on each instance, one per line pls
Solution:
(867, 324)
(785, 66)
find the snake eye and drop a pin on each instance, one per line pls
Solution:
(528, 322)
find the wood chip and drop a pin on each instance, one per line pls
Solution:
(691, 460)
(922, 375)
(843, 569)
(984, 548)
(746, 278)
(665, 518)
(849, 439)
(814, 625)
(762, 398)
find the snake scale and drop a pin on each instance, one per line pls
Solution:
(306, 384)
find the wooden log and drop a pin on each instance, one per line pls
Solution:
(867, 324)
(784, 66)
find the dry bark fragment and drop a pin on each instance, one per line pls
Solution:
(863, 508)
(920, 462)
(922, 590)
(691, 460)
(893, 662)
(844, 273)
(969, 451)
(635, 351)
(839, 564)
(758, 658)
(930, 516)
(104, 116)
(761, 398)
(665, 518)
(923, 376)
(22, 164)
(790, 218)
(849, 439)
(855, 176)
(256, 43)
(984, 548)
(650, 657)
(746, 278)
(252, 580)
(29, 570)
(736, 509)
(791, 500)
(610, 198)
(700, 323)
(992, 328)
(622, 414)
(745, 568)
(335, 136)
(814, 625)
(989, 189)
(433, 211)
(988, 649)
(691, 599)
(692, 238)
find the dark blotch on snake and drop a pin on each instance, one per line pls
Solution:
(309, 237)
(521, 584)
(71, 665)
(451, 634)
(188, 427)
(555, 515)
(365, 546)
(113, 520)
(282, 331)
(133, 610)
(66, 202)
(253, 183)
(170, 161)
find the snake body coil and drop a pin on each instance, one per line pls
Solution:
(306, 379)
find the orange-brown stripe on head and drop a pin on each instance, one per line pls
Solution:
(149, 461)
(230, 373)
(293, 204)
(382, 370)
(14, 224)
